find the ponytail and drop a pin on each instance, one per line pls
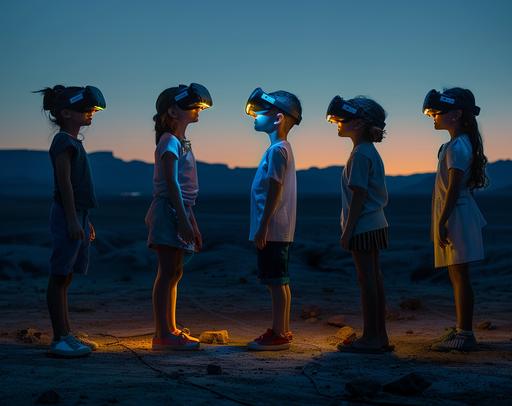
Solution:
(51, 98)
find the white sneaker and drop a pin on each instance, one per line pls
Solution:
(69, 347)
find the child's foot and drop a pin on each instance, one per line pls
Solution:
(84, 339)
(270, 341)
(362, 346)
(174, 342)
(186, 332)
(68, 347)
(457, 341)
(448, 333)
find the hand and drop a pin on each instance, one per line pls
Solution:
(185, 231)
(75, 230)
(92, 232)
(260, 238)
(443, 235)
(198, 239)
(345, 240)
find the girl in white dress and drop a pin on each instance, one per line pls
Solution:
(456, 219)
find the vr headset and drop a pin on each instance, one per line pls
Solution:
(84, 99)
(193, 97)
(260, 101)
(440, 103)
(340, 110)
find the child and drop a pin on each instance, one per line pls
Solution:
(273, 208)
(363, 223)
(70, 108)
(172, 226)
(456, 219)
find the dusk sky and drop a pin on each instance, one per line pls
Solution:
(392, 51)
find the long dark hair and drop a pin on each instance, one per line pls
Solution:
(478, 178)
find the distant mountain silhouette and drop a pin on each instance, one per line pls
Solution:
(28, 173)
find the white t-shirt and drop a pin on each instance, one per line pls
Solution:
(466, 220)
(187, 170)
(278, 164)
(365, 169)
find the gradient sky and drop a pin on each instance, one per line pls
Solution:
(392, 51)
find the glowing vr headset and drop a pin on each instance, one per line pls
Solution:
(260, 101)
(193, 97)
(84, 99)
(440, 103)
(340, 110)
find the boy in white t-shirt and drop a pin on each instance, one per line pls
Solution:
(273, 208)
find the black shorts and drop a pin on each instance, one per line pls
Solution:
(273, 263)
(369, 241)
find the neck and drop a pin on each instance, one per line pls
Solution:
(455, 132)
(180, 129)
(357, 139)
(71, 129)
(277, 136)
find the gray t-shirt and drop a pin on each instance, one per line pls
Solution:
(365, 169)
(81, 178)
(186, 175)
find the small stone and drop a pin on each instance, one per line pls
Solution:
(337, 321)
(50, 397)
(312, 320)
(409, 332)
(362, 388)
(29, 335)
(409, 385)
(411, 304)
(346, 335)
(309, 311)
(214, 337)
(213, 369)
(242, 281)
(485, 325)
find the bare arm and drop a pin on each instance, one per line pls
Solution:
(63, 175)
(356, 206)
(170, 167)
(275, 192)
(454, 184)
(198, 238)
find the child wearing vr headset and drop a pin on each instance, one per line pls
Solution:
(172, 226)
(70, 108)
(456, 219)
(273, 208)
(363, 223)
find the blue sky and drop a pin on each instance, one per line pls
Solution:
(393, 51)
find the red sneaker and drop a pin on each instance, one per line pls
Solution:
(178, 342)
(270, 341)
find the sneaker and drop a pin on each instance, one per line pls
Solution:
(460, 341)
(270, 341)
(84, 339)
(178, 342)
(69, 347)
(448, 333)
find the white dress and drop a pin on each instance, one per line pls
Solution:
(464, 226)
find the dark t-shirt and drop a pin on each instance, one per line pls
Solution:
(81, 178)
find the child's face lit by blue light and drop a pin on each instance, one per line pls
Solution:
(264, 121)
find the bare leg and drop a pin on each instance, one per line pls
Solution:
(364, 262)
(381, 301)
(288, 307)
(169, 273)
(56, 305)
(278, 293)
(463, 295)
(69, 278)
(173, 298)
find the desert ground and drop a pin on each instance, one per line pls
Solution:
(219, 290)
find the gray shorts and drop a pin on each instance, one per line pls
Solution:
(162, 224)
(68, 255)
